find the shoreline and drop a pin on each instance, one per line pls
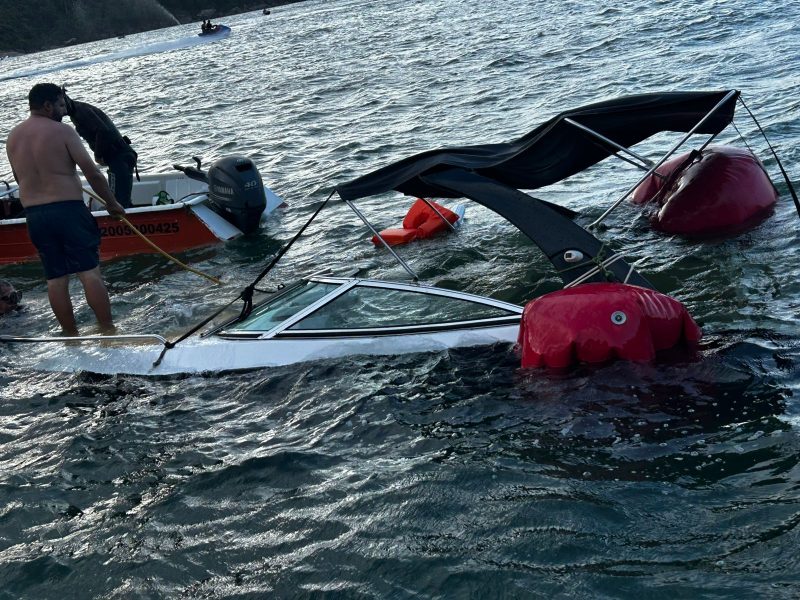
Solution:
(181, 18)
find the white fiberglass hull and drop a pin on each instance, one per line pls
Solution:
(216, 354)
(316, 318)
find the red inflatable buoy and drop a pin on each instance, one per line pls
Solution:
(717, 191)
(597, 322)
(420, 222)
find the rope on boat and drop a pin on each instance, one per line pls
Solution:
(8, 191)
(742, 139)
(599, 263)
(600, 266)
(247, 293)
(775, 154)
(82, 338)
(591, 273)
(153, 245)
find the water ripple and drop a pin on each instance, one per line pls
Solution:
(450, 474)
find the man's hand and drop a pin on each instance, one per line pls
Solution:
(115, 209)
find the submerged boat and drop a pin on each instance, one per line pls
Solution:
(184, 209)
(326, 317)
(316, 318)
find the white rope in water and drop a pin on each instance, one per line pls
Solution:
(594, 271)
(83, 338)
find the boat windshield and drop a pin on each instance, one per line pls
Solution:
(286, 305)
(363, 307)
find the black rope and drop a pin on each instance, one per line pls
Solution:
(777, 160)
(247, 293)
(597, 260)
(674, 176)
(170, 345)
(741, 137)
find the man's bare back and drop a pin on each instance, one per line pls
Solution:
(43, 154)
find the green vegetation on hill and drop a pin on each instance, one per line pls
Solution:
(34, 26)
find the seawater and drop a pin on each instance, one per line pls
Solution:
(443, 475)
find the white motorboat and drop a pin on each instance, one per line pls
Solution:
(183, 209)
(316, 318)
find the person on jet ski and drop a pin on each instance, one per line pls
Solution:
(110, 147)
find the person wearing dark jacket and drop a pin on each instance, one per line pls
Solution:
(110, 148)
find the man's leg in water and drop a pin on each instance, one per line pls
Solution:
(97, 297)
(60, 302)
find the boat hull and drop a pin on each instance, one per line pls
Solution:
(214, 355)
(316, 318)
(174, 228)
(171, 209)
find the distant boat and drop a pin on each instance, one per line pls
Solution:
(216, 30)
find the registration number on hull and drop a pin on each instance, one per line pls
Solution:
(146, 228)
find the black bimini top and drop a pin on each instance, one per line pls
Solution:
(494, 174)
(556, 149)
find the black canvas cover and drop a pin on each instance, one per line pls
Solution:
(549, 229)
(556, 149)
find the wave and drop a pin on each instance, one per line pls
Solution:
(166, 46)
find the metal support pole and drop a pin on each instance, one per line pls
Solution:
(610, 142)
(383, 241)
(436, 210)
(672, 150)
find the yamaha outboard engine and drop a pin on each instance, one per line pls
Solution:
(236, 188)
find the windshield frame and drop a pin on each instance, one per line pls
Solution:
(345, 284)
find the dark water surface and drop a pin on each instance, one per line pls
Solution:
(445, 475)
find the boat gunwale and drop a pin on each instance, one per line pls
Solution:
(199, 198)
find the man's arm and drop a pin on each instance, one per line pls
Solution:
(10, 145)
(93, 175)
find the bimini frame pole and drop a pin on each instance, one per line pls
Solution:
(441, 216)
(383, 241)
(672, 151)
(646, 162)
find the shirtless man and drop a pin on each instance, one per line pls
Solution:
(43, 153)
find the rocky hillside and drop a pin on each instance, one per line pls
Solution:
(34, 26)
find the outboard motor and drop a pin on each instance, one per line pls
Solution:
(236, 188)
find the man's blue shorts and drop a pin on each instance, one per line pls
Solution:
(66, 236)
